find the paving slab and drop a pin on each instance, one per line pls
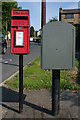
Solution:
(38, 104)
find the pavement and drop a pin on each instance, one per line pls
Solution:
(37, 104)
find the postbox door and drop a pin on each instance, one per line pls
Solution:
(20, 40)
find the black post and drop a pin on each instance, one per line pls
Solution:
(55, 91)
(20, 83)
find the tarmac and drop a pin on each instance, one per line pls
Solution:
(38, 104)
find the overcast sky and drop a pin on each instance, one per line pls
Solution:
(52, 10)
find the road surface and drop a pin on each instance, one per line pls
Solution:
(10, 62)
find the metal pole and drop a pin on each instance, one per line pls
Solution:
(43, 14)
(20, 82)
(60, 9)
(55, 91)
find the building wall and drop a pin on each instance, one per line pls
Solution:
(75, 20)
(39, 33)
(79, 18)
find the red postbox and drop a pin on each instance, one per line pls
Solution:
(20, 31)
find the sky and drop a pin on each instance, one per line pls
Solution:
(52, 10)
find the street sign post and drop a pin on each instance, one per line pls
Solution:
(58, 46)
(57, 53)
(20, 42)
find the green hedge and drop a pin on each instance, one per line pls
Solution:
(77, 36)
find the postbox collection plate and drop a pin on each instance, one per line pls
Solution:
(19, 35)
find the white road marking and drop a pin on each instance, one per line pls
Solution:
(5, 61)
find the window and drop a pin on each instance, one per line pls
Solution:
(69, 16)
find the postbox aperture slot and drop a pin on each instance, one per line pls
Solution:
(19, 38)
(20, 17)
(19, 21)
(25, 26)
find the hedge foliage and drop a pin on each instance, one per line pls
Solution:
(77, 36)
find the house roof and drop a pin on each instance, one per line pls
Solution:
(70, 11)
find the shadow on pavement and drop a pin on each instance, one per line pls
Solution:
(9, 95)
(38, 108)
(70, 96)
(9, 108)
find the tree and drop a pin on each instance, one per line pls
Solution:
(0, 17)
(53, 19)
(31, 31)
(6, 15)
(77, 28)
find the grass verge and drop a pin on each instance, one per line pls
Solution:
(36, 78)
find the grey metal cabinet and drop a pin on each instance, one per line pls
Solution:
(58, 46)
